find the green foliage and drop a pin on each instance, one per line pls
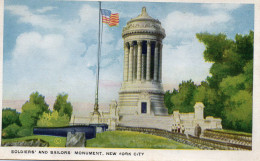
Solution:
(232, 78)
(227, 93)
(248, 76)
(62, 105)
(238, 111)
(245, 46)
(234, 132)
(11, 131)
(229, 56)
(182, 99)
(38, 99)
(238, 106)
(215, 46)
(168, 102)
(31, 112)
(9, 116)
(53, 120)
(209, 97)
(25, 132)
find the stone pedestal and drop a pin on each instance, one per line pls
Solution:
(95, 118)
(76, 139)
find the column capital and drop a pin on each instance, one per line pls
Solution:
(156, 44)
(139, 42)
(161, 44)
(131, 43)
(126, 44)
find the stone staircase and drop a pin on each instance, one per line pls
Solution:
(148, 121)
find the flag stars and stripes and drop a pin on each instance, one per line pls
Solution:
(112, 19)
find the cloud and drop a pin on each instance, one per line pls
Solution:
(183, 54)
(59, 54)
(59, 60)
(26, 16)
(46, 63)
(45, 9)
(221, 7)
(184, 62)
(183, 25)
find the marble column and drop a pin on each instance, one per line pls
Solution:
(126, 55)
(160, 63)
(148, 61)
(155, 74)
(130, 70)
(143, 66)
(139, 60)
(134, 61)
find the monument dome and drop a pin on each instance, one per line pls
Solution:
(141, 92)
(143, 24)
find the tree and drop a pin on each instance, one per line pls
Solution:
(38, 100)
(182, 99)
(32, 110)
(238, 105)
(9, 116)
(231, 82)
(216, 45)
(62, 105)
(53, 120)
(167, 100)
(238, 111)
(228, 56)
(209, 97)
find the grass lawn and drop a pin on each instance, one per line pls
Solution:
(235, 132)
(114, 139)
(129, 139)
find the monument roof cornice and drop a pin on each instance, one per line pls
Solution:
(140, 31)
(143, 19)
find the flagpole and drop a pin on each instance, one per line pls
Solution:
(98, 63)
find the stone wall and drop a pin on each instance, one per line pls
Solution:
(188, 121)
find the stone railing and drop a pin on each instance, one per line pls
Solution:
(153, 131)
(228, 137)
(218, 145)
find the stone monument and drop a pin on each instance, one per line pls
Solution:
(141, 92)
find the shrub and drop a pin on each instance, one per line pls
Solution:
(9, 116)
(53, 120)
(11, 131)
(25, 132)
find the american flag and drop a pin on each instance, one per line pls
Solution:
(112, 19)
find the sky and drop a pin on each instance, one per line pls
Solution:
(50, 46)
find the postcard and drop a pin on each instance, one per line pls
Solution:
(129, 80)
